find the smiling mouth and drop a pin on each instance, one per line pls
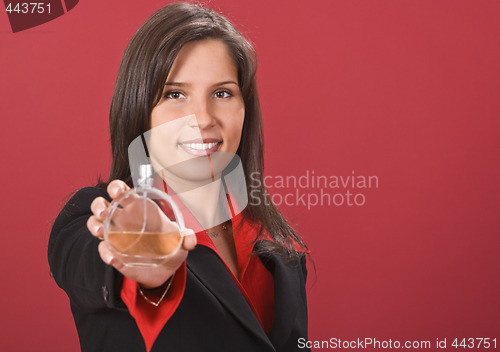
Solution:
(200, 147)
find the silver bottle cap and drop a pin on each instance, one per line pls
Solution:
(146, 175)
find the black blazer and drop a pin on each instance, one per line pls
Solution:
(212, 316)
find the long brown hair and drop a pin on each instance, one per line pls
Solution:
(143, 71)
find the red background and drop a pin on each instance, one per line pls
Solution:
(404, 90)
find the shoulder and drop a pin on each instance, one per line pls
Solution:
(282, 241)
(70, 226)
(82, 199)
(86, 195)
(78, 205)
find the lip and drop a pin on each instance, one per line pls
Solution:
(188, 148)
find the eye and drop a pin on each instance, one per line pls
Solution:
(174, 94)
(223, 94)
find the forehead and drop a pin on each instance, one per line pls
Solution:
(203, 61)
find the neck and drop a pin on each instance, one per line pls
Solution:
(206, 201)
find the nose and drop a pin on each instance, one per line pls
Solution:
(205, 118)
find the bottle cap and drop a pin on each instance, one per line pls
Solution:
(146, 175)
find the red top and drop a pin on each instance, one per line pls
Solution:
(256, 284)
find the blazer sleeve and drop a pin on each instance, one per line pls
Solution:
(74, 259)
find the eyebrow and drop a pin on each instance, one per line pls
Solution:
(180, 84)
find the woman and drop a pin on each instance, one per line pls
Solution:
(234, 286)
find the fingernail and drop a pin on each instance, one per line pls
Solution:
(101, 214)
(109, 261)
(97, 229)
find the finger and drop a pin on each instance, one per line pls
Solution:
(98, 207)
(116, 188)
(105, 253)
(95, 226)
(107, 256)
(189, 240)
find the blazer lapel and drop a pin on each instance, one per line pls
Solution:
(212, 272)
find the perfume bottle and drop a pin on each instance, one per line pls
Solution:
(144, 226)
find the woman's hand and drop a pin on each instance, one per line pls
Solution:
(146, 277)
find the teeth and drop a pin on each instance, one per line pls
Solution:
(200, 146)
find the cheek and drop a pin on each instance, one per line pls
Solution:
(163, 113)
(156, 118)
(235, 125)
(160, 147)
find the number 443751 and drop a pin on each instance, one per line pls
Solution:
(478, 342)
(28, 7)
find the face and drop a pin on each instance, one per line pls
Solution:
(201, 111)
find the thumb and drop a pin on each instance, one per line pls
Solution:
(189, 241)
(116, 188)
